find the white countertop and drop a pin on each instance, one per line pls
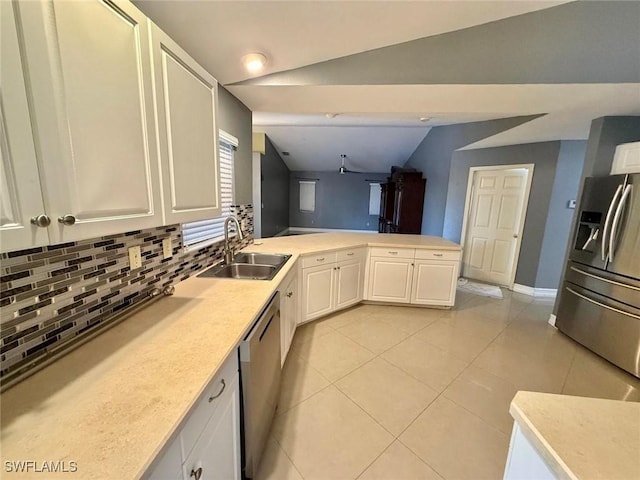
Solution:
(111, 404)
(581, 438)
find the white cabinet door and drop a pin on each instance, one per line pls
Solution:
(169, 465)
(90, 84)
(390, 280)
(20, 191)
(349, 283)
(217, 451)
(288, 312)
(186, 100)
(434, 283)
(317, 291)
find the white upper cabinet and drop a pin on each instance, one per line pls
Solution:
(626, 159)
(90, 83)
(20, 192)
(186, 101)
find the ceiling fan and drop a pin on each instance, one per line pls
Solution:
(342, 170)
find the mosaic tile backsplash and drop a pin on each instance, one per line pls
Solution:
(53, 297)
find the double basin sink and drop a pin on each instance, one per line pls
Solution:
(252, 266)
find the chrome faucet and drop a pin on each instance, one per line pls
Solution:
(228, 250)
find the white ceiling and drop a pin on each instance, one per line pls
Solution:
(294, 34)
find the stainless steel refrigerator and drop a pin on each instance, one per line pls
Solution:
(600, 295)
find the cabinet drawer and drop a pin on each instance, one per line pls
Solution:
(437, 254)
(319, 259)
(391, 252)
(351, 254)
(207, 405)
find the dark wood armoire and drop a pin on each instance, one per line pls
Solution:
(401, 202)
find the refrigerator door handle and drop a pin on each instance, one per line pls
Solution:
(602, 279)
(612, 207)
(616, 220)
(617, 310)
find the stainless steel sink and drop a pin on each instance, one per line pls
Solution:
(251, 266)
(275, 259)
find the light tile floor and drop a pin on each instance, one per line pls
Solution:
(381, 392)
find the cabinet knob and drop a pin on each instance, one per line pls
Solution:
(289, 294)
(41, 220)
(197, 474)
(67, 219)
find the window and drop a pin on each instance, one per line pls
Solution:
(205, 232)
(374, 199)
(307, 197)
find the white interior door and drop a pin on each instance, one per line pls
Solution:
(495, 219)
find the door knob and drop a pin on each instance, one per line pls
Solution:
(67, 219)
(41, 220)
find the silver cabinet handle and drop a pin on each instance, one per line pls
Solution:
(320, 259)
(622, 312)
(616, 221)
(67, 219)
(608, 219)
(41, 221)
(213, 397)
(197, 474)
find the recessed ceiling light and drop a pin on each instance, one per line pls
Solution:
(425, 119)
(254, 62)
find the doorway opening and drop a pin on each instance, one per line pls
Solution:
(494, 215)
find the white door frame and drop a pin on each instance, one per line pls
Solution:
(467, 211)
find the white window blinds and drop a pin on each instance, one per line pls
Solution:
(308, 197)
(204, 232)
(374, 199)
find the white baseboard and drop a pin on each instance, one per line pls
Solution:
(535, 292)
(552, 320)
(325, 230)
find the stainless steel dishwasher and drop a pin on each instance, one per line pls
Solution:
(260, 374)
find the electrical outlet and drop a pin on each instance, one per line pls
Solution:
(135, 257)
(167, 250)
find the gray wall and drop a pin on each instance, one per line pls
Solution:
(275, 191)
(433, 158)
(544, 156)
(235, 118)
(342, 201)
(558, 226)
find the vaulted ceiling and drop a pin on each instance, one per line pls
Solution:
(379, 66)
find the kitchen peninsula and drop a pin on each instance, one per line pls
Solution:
(112, 404)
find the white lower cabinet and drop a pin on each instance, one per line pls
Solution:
(318, 291)
(208, 445)
(390, 279)
(418, 277)
(349, 283)
(288, 311)
(434, 282)
(524, 461)
(331, 286)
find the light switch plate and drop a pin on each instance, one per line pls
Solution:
(135, 257)
(167, 250)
